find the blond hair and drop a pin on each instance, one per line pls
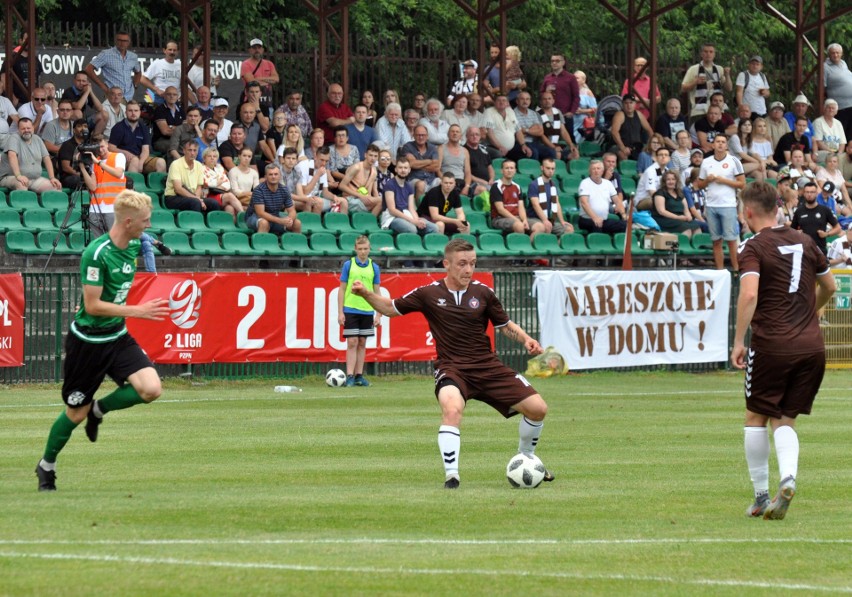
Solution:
(128, 203)
(513, 52)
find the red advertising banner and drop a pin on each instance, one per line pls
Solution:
(11, 320)
(269, 317)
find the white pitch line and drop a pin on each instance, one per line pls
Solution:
(710, 582)
(394, 541)
(842, 392)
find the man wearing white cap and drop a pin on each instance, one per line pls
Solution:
(753, 88)
(257, 68)
(220, 111)
(467, 84)
(800, 110)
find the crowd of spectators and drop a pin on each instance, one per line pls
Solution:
(410, 163)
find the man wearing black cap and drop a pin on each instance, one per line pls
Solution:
(629, 129)
(257, 68)
(68, 175)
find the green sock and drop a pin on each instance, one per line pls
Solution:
(60, 433)
(124, 397)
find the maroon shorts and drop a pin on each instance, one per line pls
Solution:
(782, 385)
(496, 385)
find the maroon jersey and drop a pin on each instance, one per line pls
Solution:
(788, 263)
(458, 320)
(510, 195)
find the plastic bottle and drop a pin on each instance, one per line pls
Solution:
(287, 389)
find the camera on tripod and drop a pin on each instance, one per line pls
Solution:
(83, 154)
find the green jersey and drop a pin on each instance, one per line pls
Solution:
(105, 265)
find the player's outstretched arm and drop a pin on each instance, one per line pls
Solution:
(513, 330)
(380, 303)
(154, 309)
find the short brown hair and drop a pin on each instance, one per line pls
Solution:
(457, 245)
(760, 196)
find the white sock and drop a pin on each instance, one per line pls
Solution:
(449, 442)
(48, 466)
(528, 434)
(757, 457)
(96, 410)
(787, 451)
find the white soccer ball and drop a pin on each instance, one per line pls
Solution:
(335, 378)
(525, 472)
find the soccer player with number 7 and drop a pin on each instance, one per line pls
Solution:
(458, 311)
(785, 363)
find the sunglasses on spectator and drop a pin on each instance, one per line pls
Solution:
(39, 99)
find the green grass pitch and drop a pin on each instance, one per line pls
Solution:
(227, 488)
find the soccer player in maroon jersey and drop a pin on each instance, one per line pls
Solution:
(459, 310)
(779, 269)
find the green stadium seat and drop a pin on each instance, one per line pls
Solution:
(365, 223)
(54, 201)
(685, 247)
(546, 244)
(579, 166)
(497, 164)
(570, 184)
(75, 219)
(46, 238)
(157, 181)
(529, 167)
(10, 220)
(77, 241)
(600, 243)
(178, 242)
(138, 179)
(434, 244)
(561, 169)
(635, 248)
(325, 243)
(410, 244)
(237, 243)
(493, 245)
(628, 185)
(23, 200)
(346, 242)
(574, 244)
(471, 238)
(191, 221)
(163, 221)
(23, 241)
(479, 222)
(295, 243)
(208, 243)
(702, 243)
(381, 243)
(627, 167)
(523, 181)
(518, 243)
(311, 222)
(38, 219)
(80, 198)
(221, 222)
(266, 243)
(589, 149)
(337, 223)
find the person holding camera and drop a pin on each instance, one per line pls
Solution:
(102, 172)
(69, 173)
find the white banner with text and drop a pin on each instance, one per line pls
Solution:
(610, 319)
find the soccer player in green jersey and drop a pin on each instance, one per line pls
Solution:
(98, 343)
